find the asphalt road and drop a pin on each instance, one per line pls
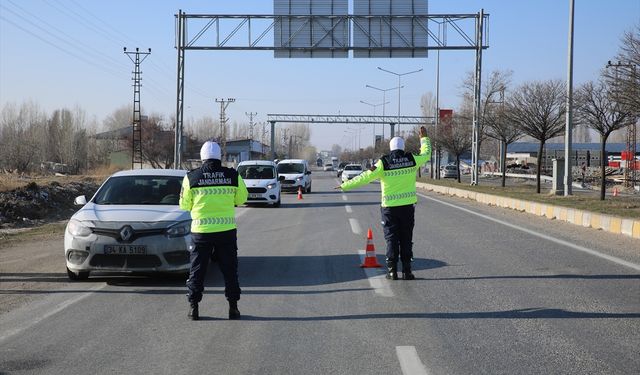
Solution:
(498, 292)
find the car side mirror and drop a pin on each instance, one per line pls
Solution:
(280, 178)
(308, 172)
(80, 200)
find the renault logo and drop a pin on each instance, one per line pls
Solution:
(126, 233)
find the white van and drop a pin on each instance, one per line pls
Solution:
(262, 181)
(296, 174)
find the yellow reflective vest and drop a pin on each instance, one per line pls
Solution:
(397, 175)
(211, 194)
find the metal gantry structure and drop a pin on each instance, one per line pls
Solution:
(392, 121)
(251, 32)
(137, 58)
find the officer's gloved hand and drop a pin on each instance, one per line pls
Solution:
(423, 131)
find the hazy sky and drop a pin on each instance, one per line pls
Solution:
(67, 53)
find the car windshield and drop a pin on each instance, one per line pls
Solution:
(161, 190)
(353, 168)
(256, 172)
(290, 168)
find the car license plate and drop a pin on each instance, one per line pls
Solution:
(125, 249)
(254, 195)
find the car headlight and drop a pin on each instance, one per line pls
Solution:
(299, 178)
(178, 230)
(271, 186)
(76, 228)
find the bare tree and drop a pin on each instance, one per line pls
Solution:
(502, 129)
(22, 136)
(597, 109)
(157, 142)
(538, 109)
(119, 118)
(203, 128)
(492, 92)
(455, 137)
(428, 104)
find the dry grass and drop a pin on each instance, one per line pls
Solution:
(624, 206)
(10, 182)
(43, 232)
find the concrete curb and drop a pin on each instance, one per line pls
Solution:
(613, 224)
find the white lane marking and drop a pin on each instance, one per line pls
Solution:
(348, 208)
(241, 211)
(377, 281)
(409, 361)
(355, 226)
(28, 323)
(543, 236)
(344, 197)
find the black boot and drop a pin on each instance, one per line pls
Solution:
(193, 312)
(234, 313)
(392, 271)
(406, 272)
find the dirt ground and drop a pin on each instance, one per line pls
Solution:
(33, 215)
(33, 201)
(31, 264)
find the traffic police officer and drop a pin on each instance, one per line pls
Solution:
(211, 193)
(397, 174)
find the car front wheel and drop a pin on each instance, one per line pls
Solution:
(81, 275)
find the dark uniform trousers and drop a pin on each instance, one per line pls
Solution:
(223, 246)
(398, 232)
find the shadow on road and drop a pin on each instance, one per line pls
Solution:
(327, 204)
(530, 313)
(255, 271)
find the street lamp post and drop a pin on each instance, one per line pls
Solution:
(374, 113)
(384, 99)
(399, 77)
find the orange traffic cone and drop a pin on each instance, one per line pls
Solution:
(370, 259)
(615, 191)
(300, 193)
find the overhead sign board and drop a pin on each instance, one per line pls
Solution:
(311, 28)
(377, 34)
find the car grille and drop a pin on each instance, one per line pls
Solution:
(137, 233)
(177, 257)
(289, 182)
(125, 261)
(256, 190)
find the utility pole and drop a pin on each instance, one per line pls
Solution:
(224, 103)
(136, 149)
(477, 88)
(568, 129)
(251, 114)
(284, 141)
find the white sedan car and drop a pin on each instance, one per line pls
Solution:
(262, 180)
(132, 224)
(350, 171)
